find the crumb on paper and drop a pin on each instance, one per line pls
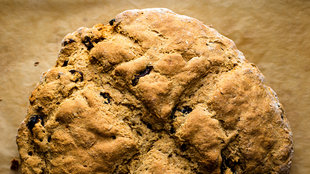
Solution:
(36, 63)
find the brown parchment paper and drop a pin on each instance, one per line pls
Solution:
(273, 34)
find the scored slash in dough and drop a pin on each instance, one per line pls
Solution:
(153, 92)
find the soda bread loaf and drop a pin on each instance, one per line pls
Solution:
(153, 92)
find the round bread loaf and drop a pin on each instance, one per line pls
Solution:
(153, 92)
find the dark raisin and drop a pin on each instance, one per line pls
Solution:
(68, 42)
(82, 78)
(71, 40)
(112, 21)
(30, 153)
(172, 130)
(148, 125)
(186, 110)
(98, 39)
(87, 42)
(39, 109)
(65, 63)
(145, 72)
(170, 155)
(49, 138)
(184, 147)
(134, 81)
(81, 75)
(172, 116)
(113, 137)
(33, 120)
(106, 96)
(139, 133)
(72, 71)
(65, 43)
(229, 163)
(14, 165)
(59, 74)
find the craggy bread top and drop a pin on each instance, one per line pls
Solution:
(153, 92)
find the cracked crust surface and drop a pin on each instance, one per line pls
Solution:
(153, 92)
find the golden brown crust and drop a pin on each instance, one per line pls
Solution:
(153, 92)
